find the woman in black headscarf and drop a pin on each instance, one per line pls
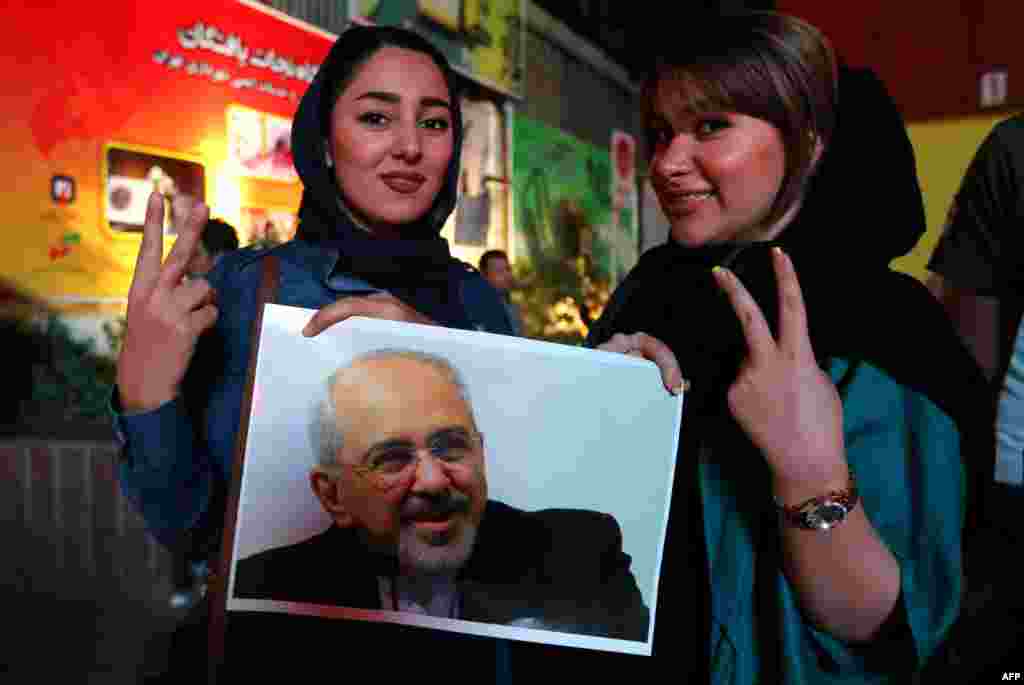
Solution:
(815, 529)
(376, 143)
(379, 169)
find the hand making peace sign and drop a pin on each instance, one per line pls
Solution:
(166, 312)
(782, 399)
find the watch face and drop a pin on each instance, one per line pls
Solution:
(826, 515)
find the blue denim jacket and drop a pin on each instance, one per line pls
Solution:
(175, 457)
(1010, 419)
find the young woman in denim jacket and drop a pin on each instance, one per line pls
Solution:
(376, 143)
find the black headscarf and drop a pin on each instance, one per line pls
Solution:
(862, 209)
(418, 267)
(860, 213)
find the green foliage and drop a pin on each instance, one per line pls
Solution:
(563, 194)
(563, 213)
(560, 303)
(70, 381)
(537, 301)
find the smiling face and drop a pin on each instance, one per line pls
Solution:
(716, 174)
(426, 514)
(738, 118)
(391, 139)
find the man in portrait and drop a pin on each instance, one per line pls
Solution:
(401, 473)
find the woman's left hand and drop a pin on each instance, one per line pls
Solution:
(650, 348)
(782, 399)
(376, 306)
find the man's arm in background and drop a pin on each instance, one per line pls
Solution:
(976, 319)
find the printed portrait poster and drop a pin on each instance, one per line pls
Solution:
(479, 485)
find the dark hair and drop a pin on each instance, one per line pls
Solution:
(486, 257)
(762, 64)
(218, 236)
(356, 45)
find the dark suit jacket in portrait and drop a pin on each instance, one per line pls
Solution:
(560, 569)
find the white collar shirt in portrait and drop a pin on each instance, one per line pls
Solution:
(427, 595)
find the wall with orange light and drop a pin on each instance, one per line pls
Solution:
(78, 79)
(931, 55)
(931, 59)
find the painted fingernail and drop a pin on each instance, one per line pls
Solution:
(683, 385)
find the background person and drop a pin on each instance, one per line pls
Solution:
(978, 264)
(978, 276)
(217, 239)
(495, 268)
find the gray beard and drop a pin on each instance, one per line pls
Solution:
(417, 556)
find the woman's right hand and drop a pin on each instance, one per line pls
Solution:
(166, 312)
(650, 348)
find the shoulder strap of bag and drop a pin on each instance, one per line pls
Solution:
(218, 585)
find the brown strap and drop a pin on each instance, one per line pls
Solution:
(219, 579)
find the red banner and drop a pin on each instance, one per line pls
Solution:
(103, 105)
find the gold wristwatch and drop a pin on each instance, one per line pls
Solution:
(823, 512)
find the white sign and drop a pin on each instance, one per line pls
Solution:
(994, 88)
(564, 428)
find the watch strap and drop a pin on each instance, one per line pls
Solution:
(801, 515)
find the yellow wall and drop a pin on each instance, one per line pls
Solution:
(943, 149)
